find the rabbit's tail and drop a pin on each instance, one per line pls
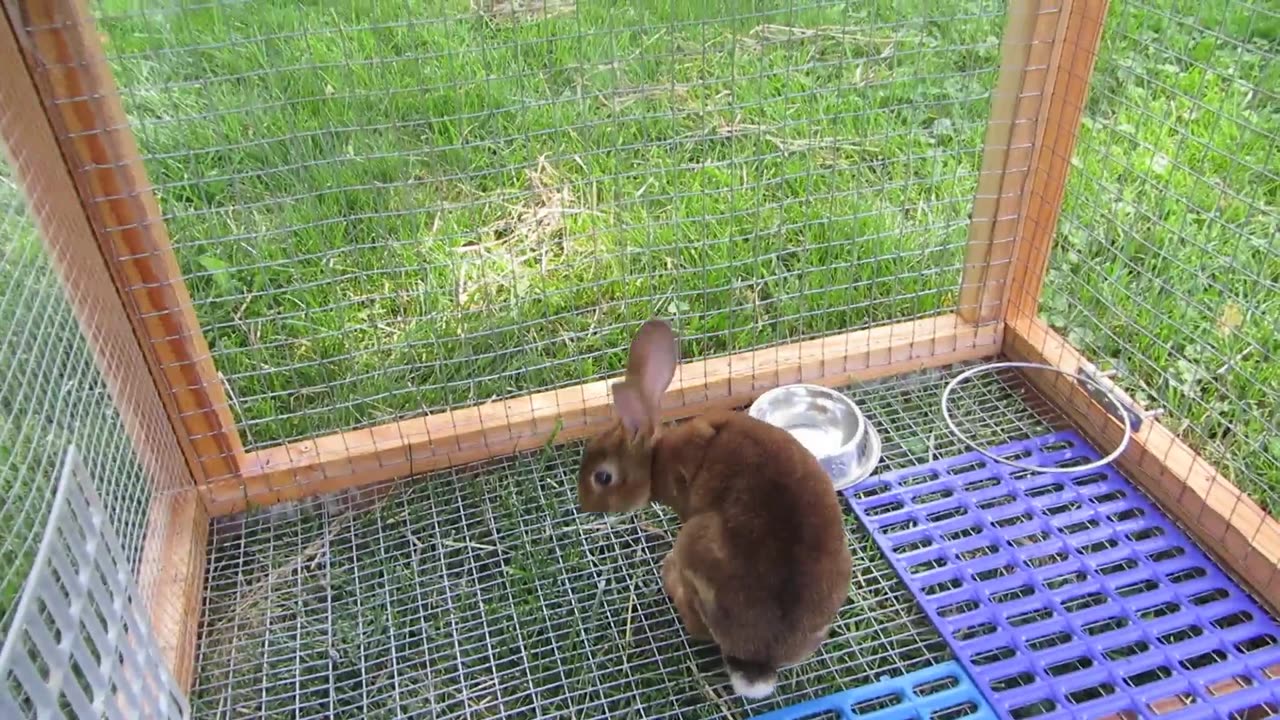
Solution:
(752, 680)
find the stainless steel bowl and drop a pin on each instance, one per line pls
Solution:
(826, 422)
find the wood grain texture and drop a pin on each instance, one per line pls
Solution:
(169, 577)
(1025, 49)
(1224, 519)
(176, 544)
(1070, 69)
(65, 58)
(362, 457)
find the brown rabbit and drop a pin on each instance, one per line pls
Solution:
(761, 563)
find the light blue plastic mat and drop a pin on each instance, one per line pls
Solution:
(939, 692)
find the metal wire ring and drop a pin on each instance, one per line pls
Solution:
(1124, 442)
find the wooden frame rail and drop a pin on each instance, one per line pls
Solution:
(177, 543)
(1226, 520)
(174, 540)
(362, 457)
(63, 54)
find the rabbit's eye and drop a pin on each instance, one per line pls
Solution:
(602, 477)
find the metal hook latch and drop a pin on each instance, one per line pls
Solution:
(1091, 379)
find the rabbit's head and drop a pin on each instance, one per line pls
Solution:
(617, 465)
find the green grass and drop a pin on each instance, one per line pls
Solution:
(1168, 253)
(407, 206)
(350, 220)
(51, 398)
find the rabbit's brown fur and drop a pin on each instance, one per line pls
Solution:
(761, 564)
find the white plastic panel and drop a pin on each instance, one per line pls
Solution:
(79, 645)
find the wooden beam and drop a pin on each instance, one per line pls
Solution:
(1070, 69)
(361, 457)
(1224, 519)
(1032, 39)
(31, 144)
(176, 545)
(1011, 114)
(63, 54)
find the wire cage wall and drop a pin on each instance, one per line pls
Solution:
(326, 295)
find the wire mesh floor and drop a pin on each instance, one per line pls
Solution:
(482, 592)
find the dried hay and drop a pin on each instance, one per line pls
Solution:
(518, 11)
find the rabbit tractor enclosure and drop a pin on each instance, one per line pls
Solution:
(308, 309)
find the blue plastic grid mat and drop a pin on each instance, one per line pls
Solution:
(938, 692)
(1071, 595)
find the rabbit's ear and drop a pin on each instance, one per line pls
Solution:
(652, 363)
(631, 407)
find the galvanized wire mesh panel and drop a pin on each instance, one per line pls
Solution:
(482, 592)
(385, 208)
(1167, 260)
(81, 643)
(52, 395)
(61, 376)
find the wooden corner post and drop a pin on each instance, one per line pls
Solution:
(1075, 52)
(1043, 69)
(64, 56)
